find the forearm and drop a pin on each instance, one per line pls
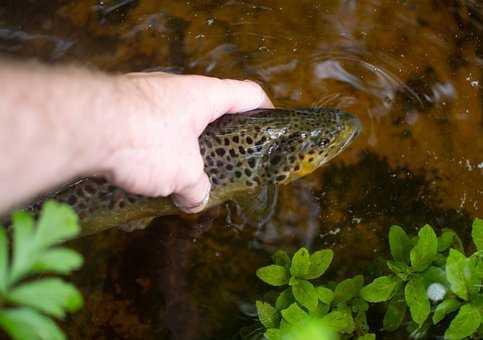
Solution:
(49, 127)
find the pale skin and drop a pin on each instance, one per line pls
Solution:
(139, 130)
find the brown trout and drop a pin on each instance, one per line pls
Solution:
(241, 152)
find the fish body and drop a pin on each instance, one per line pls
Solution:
(241, 152)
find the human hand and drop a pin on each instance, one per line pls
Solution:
(156, 151)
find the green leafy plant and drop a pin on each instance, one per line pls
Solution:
(328, 309)
(432, 278)
(29, 297)
(430, 281)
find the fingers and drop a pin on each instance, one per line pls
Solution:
(193, 198)
(233, 96)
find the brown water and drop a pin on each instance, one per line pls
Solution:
(410, 70)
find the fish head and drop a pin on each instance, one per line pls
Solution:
(311, 139)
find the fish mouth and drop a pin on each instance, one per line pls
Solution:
(353, 129)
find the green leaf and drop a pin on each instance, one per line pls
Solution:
(273, 334)
(284, 300)
(300, 263)
(435, 275)
(27, 324)
(348, 289)
(444, 308)
(381, 289)
(455, 273)
(294, 314)
(3, 260)
(471, 273)
(445, 241)
(417, 300)
(395, 313)
(280, 258)
(425, 249)
(52, 296)
(340, 321)
(273, 275)
(399, 244)
(465, 323)
(268, 316)
(325, 295)
(305, 294)
(402, 270)
(58, 260)
(321, 310)
(319, 262)
(370, 336)
(23, 245)
(57, 223)
(477, 233)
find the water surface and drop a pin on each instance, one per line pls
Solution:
(410, 70)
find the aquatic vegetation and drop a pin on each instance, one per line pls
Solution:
(328, 308)
(430, 276)
(28, 298)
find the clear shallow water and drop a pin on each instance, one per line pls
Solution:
(410, 70)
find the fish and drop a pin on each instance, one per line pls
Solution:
(241, 153)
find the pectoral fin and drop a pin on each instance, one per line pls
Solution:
(255, 207)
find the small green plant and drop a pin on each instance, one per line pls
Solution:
(28, 297)
(304, 308)
(434, 279)
(430, 276)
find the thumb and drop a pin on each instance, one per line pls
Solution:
(193, 198)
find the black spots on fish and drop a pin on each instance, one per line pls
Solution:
(250, 151)
(217, 140)
(208, 144)
(248, 172)
(252, 162)
(219, 163)
(297, 168)
(280, 178)
(232, 153)
(286, 168)
(210, 161)
(238, 173)
(249, 140)
(301, 156)
(220, 152)
(249, 183)
(226, 141)
(202, 150)
(212, 154)
(311, 152)
(229, 167)
(236, 139)
(292, 159)
(214, 181)
(242, 150)
(324, 141)
(261, 141)
(275, 159)
(311, 159)
(213, 171)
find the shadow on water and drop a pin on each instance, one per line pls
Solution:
(411, 71)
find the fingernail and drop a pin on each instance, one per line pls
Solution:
(196, 208)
